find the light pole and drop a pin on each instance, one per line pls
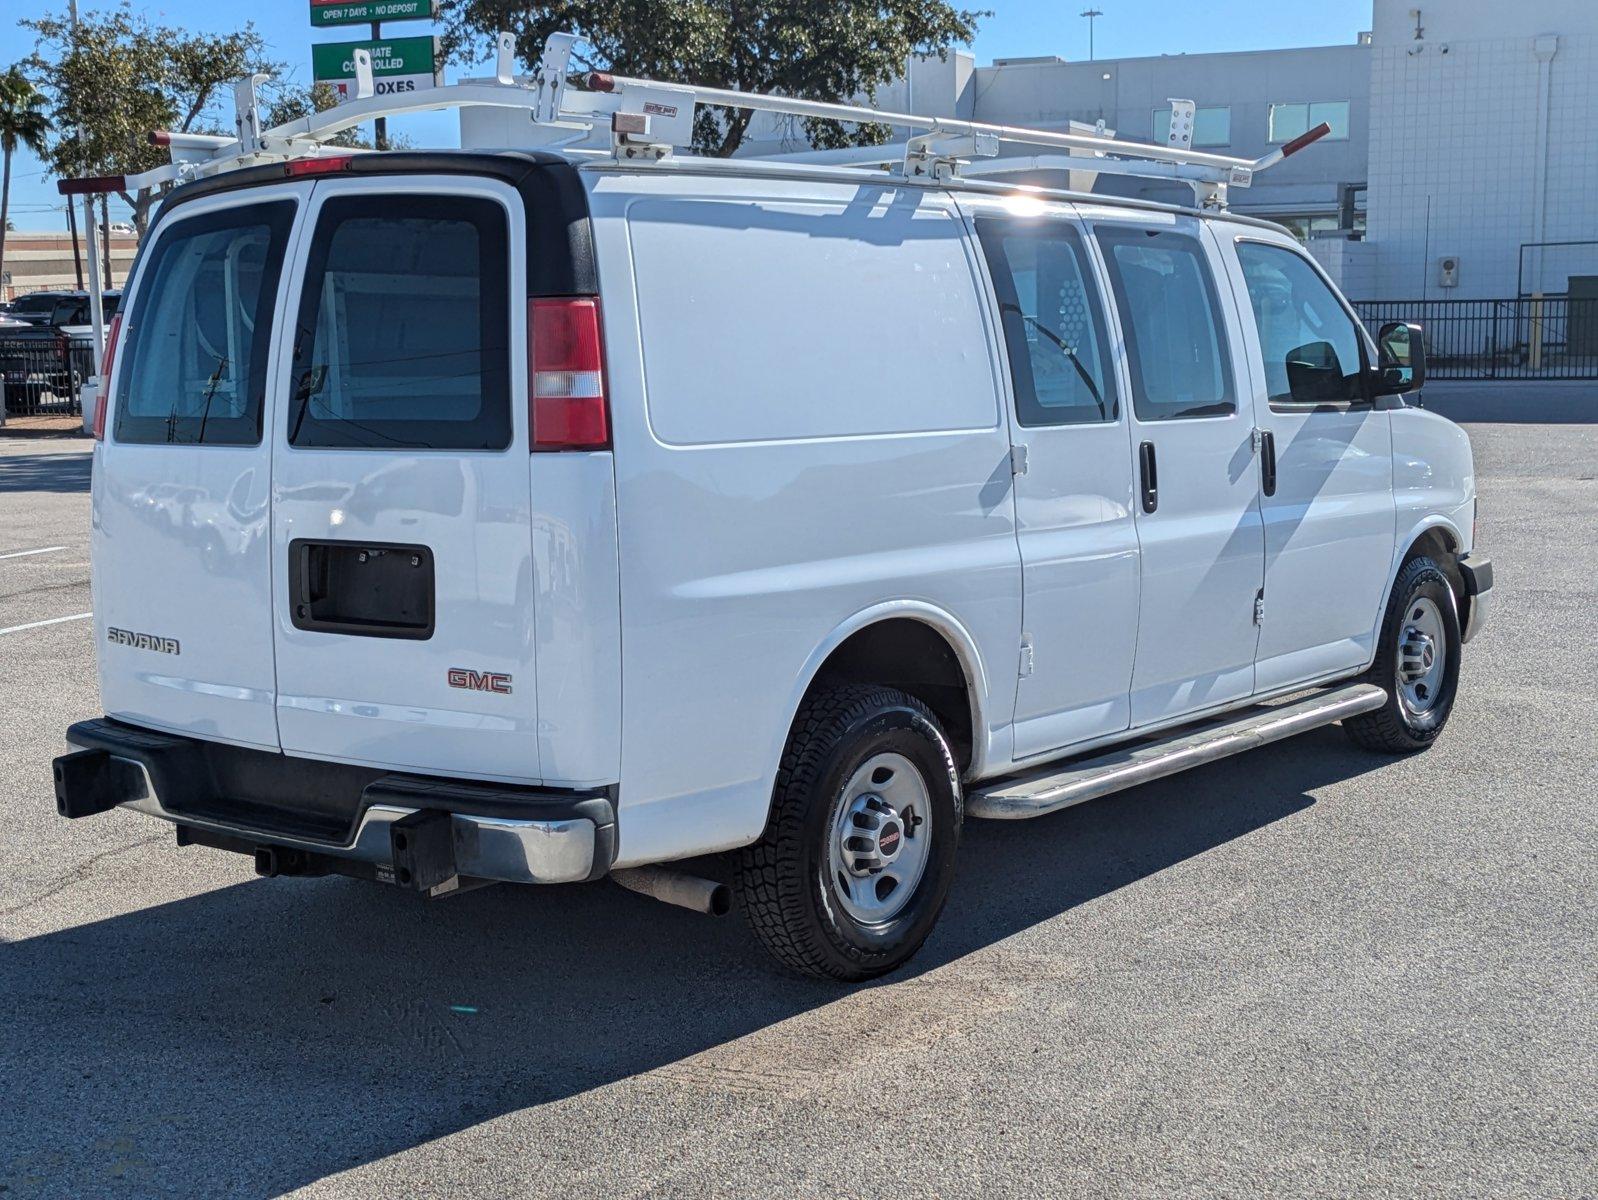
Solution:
(1090, 13)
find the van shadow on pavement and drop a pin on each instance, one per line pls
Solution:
(256, 1038)
(45, 472)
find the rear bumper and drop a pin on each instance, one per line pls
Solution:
(1477, 572)
(419, 832)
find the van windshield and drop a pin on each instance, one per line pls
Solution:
(197, 338)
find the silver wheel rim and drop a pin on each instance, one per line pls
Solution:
(881, 839)
(1422, 656)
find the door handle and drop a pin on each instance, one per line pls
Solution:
(1268, 462)
(1148, 470)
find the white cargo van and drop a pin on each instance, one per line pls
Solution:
(543, 516)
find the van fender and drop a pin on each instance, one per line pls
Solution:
(941, 620)
(1400, 550)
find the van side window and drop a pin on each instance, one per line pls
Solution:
(405, 320)
(1053, 325)
(1309, 343)
(1172, 322)
(195, 348)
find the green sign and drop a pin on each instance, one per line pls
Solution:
(364, 12)
(398, 65)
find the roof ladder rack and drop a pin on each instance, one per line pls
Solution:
(648, 120)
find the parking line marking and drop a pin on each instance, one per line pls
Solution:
(25, 553)
(51, 621)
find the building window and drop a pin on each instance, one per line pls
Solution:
(1303, 226)
(1211, 126)
(1290, 120)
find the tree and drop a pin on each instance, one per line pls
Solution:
(116, 76)
(817, 49)
(22, 123)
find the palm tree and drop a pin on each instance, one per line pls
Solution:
(22, 123)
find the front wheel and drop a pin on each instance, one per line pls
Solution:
(1417, 663)
(858, 855)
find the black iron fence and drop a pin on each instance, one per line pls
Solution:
(42, 375)
(1543, 337)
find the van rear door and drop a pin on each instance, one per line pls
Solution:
(182, 575)
(402, 545)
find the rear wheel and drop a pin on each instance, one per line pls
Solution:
(858, 856)
(1417, 663)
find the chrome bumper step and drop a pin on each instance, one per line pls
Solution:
(1058, 785)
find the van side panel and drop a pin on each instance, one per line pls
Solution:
(806, 424)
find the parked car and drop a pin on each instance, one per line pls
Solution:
(579, 517)
(51, 353)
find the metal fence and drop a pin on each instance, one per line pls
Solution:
(42, 375)
(1538, 337)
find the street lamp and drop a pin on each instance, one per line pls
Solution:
(1090, 13)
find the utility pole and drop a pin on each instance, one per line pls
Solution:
(1090, 14)
(77, 255)
(379, 126)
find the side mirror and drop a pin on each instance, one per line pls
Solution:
(1401, 362)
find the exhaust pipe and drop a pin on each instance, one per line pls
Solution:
(674, 887)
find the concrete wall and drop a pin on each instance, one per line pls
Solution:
(36, 261)
(1486, 122)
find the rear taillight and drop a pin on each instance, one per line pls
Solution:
(105, 377)
(567, 375)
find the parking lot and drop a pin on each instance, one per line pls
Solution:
(1304, 971)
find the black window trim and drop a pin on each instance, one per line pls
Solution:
(1118, 228)
(1367, 401)
(313, 262)
(1002, 224)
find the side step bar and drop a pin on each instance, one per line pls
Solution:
(1058, 786)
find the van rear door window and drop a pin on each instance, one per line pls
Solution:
(404, 326)
(195, 346)
(1172, 321)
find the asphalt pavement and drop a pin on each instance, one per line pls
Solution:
(1306, 971)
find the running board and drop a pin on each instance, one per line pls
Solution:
(1055, 786)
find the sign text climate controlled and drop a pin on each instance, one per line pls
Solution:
(396, 56)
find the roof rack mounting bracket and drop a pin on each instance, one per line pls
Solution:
(938, 155)
(550, 79)
(631, 140)
(247, 112)
(505, 58)
(364, 87)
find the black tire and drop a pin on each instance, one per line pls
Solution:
(1394, 728)
(784, 881)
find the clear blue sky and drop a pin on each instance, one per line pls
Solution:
(1128, 28)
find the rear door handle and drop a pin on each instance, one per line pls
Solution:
(1148, 470)
(1268, 462)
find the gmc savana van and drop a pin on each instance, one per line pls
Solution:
(545, 516)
